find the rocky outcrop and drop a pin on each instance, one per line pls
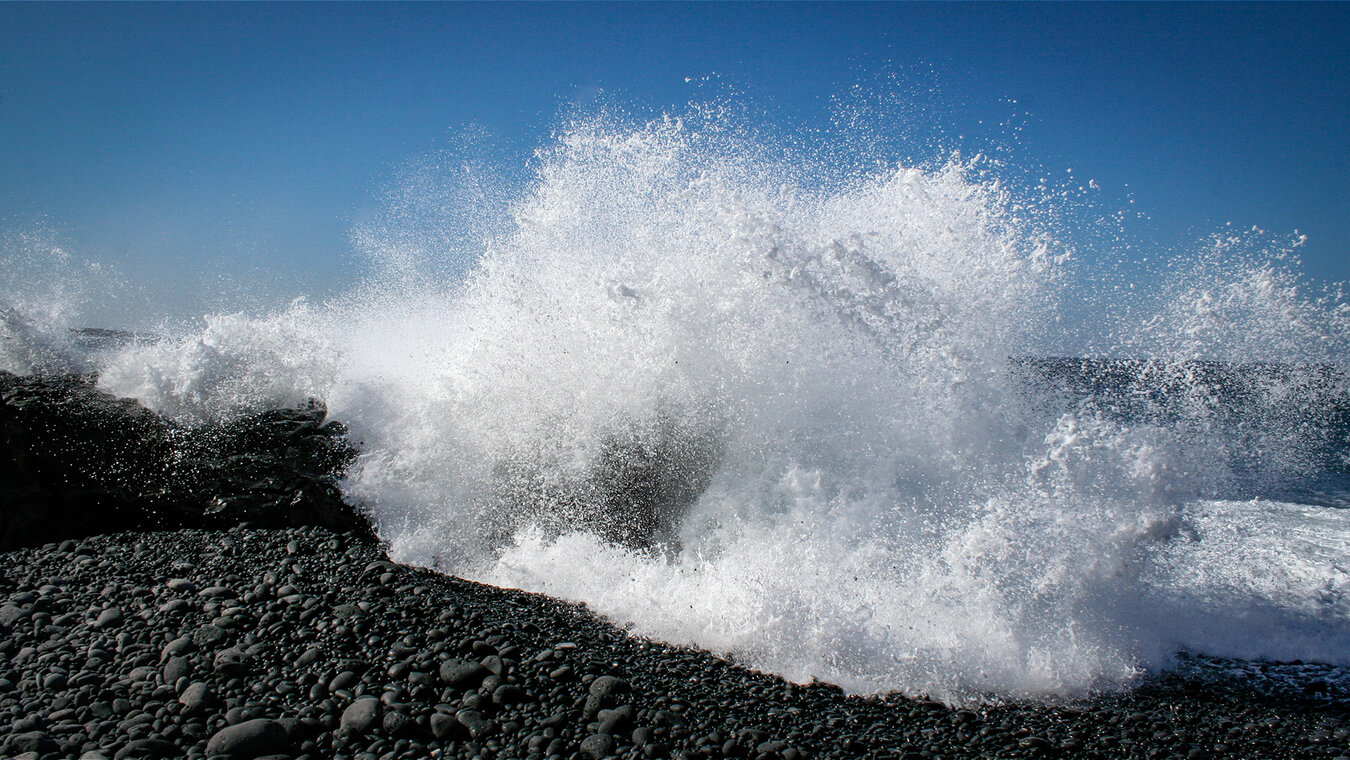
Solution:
(75, 461)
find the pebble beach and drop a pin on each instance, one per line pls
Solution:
(306, 643)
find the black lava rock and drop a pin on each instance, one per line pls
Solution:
(248, 740)
(410, 681)
(75, 461)
(361, 715)
(597, 746)
(461, 673)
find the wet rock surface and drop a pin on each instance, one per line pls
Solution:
(75, 461)
(306, 643)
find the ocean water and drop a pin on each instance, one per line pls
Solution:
(868, 427)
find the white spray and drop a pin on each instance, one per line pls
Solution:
(785, 419)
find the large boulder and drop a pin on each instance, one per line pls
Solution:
(77, 461)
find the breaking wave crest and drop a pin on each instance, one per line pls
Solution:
(814, 423)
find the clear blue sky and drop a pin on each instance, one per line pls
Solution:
(176, 139)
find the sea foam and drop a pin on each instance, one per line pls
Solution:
(730, 399)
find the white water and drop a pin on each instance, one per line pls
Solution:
(810, 382)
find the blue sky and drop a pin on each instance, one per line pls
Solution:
(197, 144)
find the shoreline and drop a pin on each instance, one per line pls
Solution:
(297, 638)
(312, 644)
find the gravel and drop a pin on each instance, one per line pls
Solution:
(305, 643)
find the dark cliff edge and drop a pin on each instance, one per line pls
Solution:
(76, 461)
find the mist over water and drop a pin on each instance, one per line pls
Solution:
(733, 398)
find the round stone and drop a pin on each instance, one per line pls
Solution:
(462, 673)
(249, 739)
(597, 746)
(607, 686)
(361, 715)
(108, 618)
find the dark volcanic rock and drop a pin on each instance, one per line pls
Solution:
(444, 726)
(196, 698)
(597, 747)
(462, 673)
(247, 740)
(31, 741)
(605, 687)
(146, 748)
(361, 715)
(108, 618)
(564, 684)
(75, 461)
